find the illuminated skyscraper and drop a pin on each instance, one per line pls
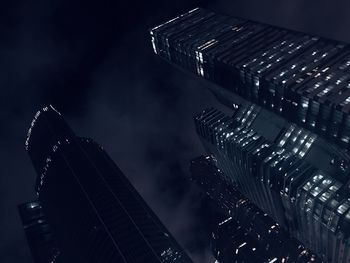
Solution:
(283, 139)
(301, 77)
(281, 173)
(95, 214)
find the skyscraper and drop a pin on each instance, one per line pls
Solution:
(301, 77)
(245, 225)
(282, 174)
(94, 212)
(283, 139)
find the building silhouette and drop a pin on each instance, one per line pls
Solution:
(283, 138)
(94, 212)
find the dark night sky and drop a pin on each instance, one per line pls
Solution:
(94, 62)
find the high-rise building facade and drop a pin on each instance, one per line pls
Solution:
(284, 176)
(231, 243)
(95, 214)
(41, 242)
(301, 77)
(283, 139)
(245, 225)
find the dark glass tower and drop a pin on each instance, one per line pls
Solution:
(95, 213)
(284, 137)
